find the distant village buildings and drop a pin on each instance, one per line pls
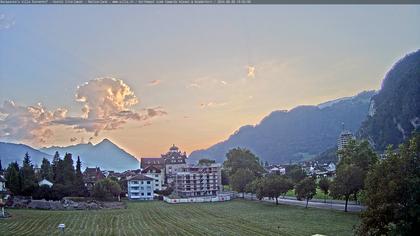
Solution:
(91, 176)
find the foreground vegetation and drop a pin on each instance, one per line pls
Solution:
(159, 218)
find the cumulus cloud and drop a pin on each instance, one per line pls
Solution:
(107, 104)
(19, 122)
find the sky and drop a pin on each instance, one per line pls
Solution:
(147, 77)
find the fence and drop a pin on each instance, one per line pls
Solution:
(218, 198)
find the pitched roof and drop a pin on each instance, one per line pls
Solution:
(152, 167)
(139, 177)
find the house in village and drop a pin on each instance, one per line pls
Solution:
(91, 175)
(2, 184)
(140, 187)
(45, 182)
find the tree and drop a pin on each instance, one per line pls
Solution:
(54, 163)
(106, 189)
(306, 189)
(27, 176)
(324, 185)
(1, 167)
(68, 169)
(46, 170)
(349, 180)
(275, 185)
(79, 185)
(205, 161)
(295, 173)
(225, 177)
(43, 192)
(392, 193)
(239, 158)
(240, 179)
(358, 153)
(13, 182)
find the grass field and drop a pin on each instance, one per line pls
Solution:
(236, 217)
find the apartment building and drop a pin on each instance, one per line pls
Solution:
(140, 187)
(198, 180)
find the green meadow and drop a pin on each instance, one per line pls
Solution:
(237, 217)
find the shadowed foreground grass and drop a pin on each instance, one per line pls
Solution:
(236, 217)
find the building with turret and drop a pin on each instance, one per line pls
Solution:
(174, 160)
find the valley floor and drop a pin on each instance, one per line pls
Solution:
(237, 217)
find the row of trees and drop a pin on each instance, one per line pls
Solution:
(389, 187)
(67, 181)
(246, 174)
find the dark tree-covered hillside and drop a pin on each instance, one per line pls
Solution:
(395, 111)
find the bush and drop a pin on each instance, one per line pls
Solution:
(106, 189)
(43, 192)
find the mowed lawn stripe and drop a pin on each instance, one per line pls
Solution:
(237, 217)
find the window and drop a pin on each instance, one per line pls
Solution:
(157, 185)
(156, 180)
(149, 194)
(142, 194)
(148, 182)
(142, 182)
(135, 182)
(156, 176)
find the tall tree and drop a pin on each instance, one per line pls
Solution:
(27, 176)
(392, 193)
(306, 189)
(324, 185)
(46, 170)
(54, 165)
(106, 189)
(240, 179)
(239, 158)
(13, 182)
(349, 180)
(275, 185)
(1, 167)
(68, 169)
(79, 185)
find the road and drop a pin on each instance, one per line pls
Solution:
(315, 203)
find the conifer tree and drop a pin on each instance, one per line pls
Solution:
(13, 182)
(27, 176)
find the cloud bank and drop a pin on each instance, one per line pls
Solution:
(107, 104)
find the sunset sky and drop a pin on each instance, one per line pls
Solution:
(147, 77)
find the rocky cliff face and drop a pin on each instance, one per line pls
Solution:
(395, 110)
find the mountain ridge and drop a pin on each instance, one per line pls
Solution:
(294, 135)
